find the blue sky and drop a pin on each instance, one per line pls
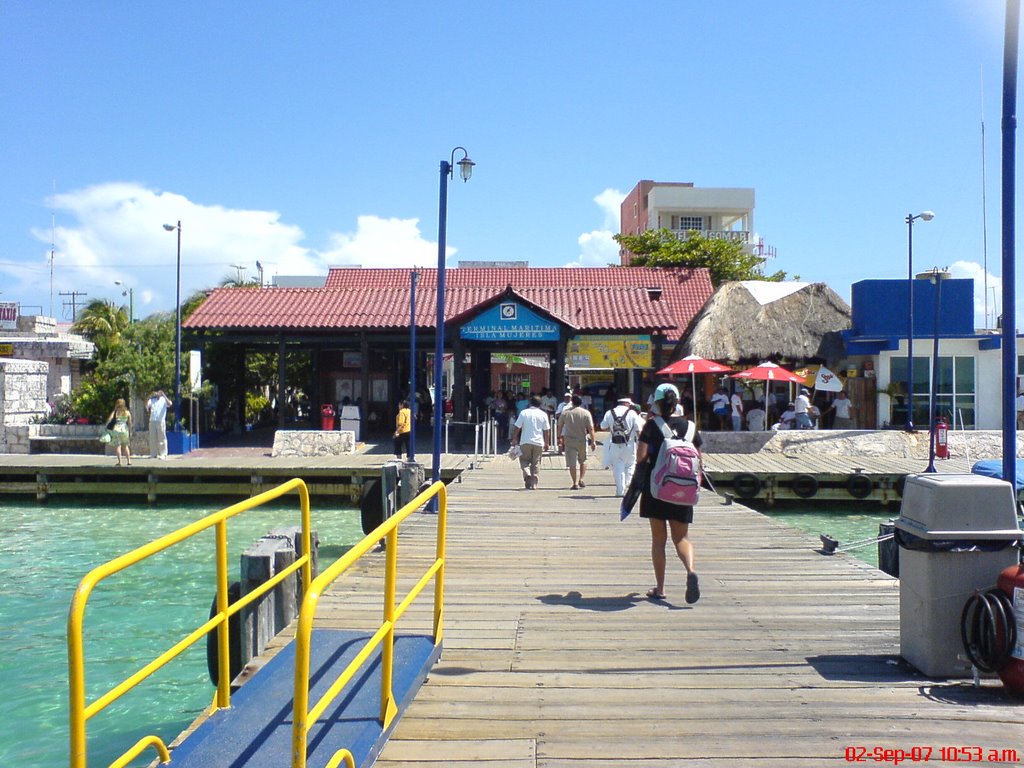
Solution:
(308, 134)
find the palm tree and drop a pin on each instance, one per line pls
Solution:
(103, 323)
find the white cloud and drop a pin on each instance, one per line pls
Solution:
(975, 271)
(379, 242)
(598, 247)
(610, 201)
(116, 233)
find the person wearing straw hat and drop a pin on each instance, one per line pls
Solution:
(623, 425)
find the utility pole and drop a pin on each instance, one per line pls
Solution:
(73, 303)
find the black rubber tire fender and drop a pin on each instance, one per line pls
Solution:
(859, 486)
(746, 485)
(805, 486)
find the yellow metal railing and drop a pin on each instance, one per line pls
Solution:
(384, 637)
(81, 711)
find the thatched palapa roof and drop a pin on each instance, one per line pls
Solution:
(760, 320)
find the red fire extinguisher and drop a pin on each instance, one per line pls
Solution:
(1011, 581)
(941, 439)
(992, 629)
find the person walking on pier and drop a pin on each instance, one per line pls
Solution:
(530, 433)
(666, 517)
(623, 425)
(575, 432)
(403, 426)
(157, 406)
(119, 423)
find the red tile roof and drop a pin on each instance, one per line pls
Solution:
(605, 299)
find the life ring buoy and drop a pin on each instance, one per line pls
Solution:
(746, 485)
(859, 486)
(805, 486)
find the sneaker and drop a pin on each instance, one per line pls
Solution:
(692, 588)
(582, 484)
(574, 488)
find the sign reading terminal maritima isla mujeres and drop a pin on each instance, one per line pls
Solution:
(509, 321)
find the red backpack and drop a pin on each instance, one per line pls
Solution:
(676, 474)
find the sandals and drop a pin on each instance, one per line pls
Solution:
(692, 588)
(654, 594)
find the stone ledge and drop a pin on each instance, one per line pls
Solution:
(975, 444)
(306, 442)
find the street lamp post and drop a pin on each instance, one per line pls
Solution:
(465, 171)
(177, 331)
(935, 277)
(413, 404)
(130, 293)
(924, 216)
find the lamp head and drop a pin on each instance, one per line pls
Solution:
(170, 227)
(466, 168)
(926, 215)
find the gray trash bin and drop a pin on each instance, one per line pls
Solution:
(956, 533)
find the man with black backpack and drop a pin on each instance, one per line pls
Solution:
(623, 424)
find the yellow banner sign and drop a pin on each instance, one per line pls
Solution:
(6, 350)
(610, 352)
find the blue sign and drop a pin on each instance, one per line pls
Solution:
(510, 321)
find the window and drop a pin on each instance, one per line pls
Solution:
(516, 383)
(954, 390)
(686, 223)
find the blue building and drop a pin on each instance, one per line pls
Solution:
(968, 371)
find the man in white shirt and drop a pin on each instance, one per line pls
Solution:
(156, 406)
(531, 435)
(843, 408)
(736, 404)
(801, 405)
(623, 425)
(755, 418)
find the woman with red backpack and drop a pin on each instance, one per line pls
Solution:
(668, 423)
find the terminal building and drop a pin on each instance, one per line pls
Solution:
(516, 328)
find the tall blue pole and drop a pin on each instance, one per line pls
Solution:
(177, 339)
(442, 225)
(1009, 335)
(910, 322)
(933, 393)
(413, 409)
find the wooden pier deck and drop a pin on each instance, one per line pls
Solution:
(241, 473)
(553, 658)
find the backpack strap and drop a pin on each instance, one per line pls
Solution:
(666, 430)
(670, 434)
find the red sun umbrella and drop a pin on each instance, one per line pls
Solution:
(769, 372)
(692, 364)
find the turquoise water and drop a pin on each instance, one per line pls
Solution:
(848, 524)
(131, 617)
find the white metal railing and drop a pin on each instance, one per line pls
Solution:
(485, 436)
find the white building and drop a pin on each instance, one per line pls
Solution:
(682, 208)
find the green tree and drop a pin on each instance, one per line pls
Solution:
(726, 260)
(103, 323)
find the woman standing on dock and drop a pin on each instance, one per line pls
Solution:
(664, 516)
(119, 422)
(403, 426)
